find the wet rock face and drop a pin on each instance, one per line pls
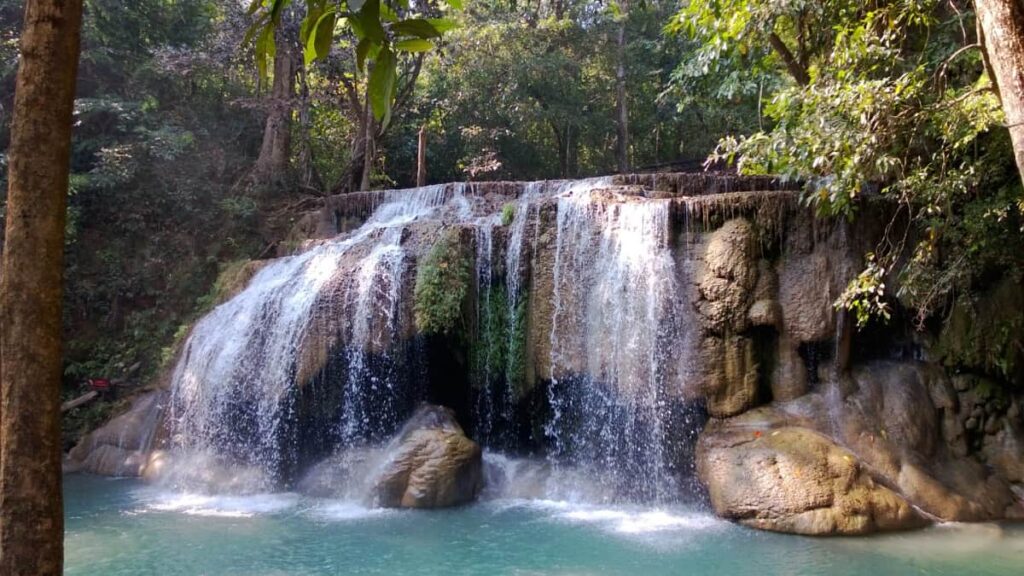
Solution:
(792, 479)
(430, 464)
(121, 446)
(852, 458)
(727, 278)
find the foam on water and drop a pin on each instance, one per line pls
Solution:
(218, 506)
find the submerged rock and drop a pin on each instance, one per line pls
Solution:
(430, 463)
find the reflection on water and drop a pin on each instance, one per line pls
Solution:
(123, 527)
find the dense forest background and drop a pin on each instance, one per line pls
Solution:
(188, 162)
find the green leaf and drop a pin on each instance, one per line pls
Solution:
(414, 45)
(456, 4)
(265, 51)
(362, 50)
(388, 14)
(382, 83)
(276, 8)
(442, 25)
(369, 18)
(256, 28)
(418, 27)
(318, 45)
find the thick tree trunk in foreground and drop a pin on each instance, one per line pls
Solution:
(276, 151)
(622, 113)
(31, 510)
(1002, 22)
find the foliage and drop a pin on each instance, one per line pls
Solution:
(983, 332)
(865, 296)
(442, 284)
(887, 96)
(508, 213)
(498, 351)
(382, 30)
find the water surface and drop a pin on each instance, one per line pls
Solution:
(119, 527)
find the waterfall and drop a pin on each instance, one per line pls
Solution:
(613, 338)
(315, 357)
(233, 388)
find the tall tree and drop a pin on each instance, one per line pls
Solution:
(1002, 27)
(31, 508)
(276, 151)
(621, 111)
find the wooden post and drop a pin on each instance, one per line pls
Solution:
(421, 158)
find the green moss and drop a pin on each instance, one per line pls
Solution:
(442, 283)
(499, 350)
(984, 334)
(508, 213)
(231, 279)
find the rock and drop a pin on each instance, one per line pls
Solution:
(789, 378)
(899, 422)
(795, 480)
(121, 446)
(430, 464)
(971, 423)
(806, 297)
(730, 375)
(765, 313)
(728, 278)
(992, 425)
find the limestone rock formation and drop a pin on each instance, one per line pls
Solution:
(850, 457)
(430, 464)
(792, 479)
(121, 446)
(726, 284)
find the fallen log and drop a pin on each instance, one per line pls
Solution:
(83, 399)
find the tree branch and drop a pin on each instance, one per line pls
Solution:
(796, 70)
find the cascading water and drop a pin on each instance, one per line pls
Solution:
(613, 338)
(326, 335)
(233, 391)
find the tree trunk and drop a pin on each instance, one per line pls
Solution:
(275, 153)
(309, 177)
(368, 147)
(421, 158)
(622, 114)
(1002, 22)
(31, 507)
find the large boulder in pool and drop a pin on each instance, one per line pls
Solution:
(430, 463)
(795, 480)
(864, 453)
(121, 446)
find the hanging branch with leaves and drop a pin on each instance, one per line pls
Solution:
(382, 29)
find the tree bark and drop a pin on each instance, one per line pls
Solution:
(368, 147)
(622, 113)
(275, 153)
(309, 177)
(421, 158)
(1002, 24)
(31, 507)
(796, 69)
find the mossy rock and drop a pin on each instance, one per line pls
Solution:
(442, 285)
